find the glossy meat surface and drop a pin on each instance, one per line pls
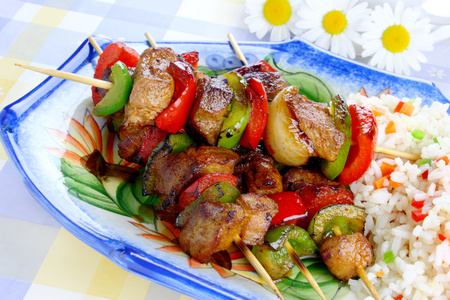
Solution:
(260, 210)
(315, 120)
(210, 106)
(296, 179)
(152, 59)
(273, 82)
(210, 229)
(169, 175)
(258, 175)
(149, 97)
(344, 254)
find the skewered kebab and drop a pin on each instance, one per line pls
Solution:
(221, 234)
(346, 256)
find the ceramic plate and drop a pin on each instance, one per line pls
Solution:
(48, 132)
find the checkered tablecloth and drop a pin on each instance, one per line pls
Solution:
(38, 258)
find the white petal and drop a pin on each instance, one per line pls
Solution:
(313, 34)
(279, 33)
(263, 31)
(324, 41)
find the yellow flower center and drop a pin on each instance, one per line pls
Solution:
(396, 38)
(277, 12)
(334, 22)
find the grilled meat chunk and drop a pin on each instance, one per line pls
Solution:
(210, 229)
(297, 178)
(315, 120)
(152, 59)
(153, 87)
(149, 97)
(209, 108)
(258, 175)
(131, 140)
(168, 175)
(260, 210)
(273, 82)
(346, 253)
(209, 159)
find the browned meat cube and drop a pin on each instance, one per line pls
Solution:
(297, 178)
(210, 229)
(131, 140)
(315, 120)
(149, 97)
(346, 253)
(273, 82)
(209, 159)
(154, 58)
(209, 108)
(258, 175)
(169, 175)
(260, 210)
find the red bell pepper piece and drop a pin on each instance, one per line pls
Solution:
(258, 114)
(258, 66)
(418, 216)
(175, 116)
(417, 204)
(113, 53)
(318, 196)
(290, 208)
(153, 137)
(200, 185)
(191, 58)
(364, 140)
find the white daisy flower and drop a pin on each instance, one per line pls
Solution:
(396, 38)
(334, 24)
(275, 16)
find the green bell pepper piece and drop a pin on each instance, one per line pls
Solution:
(118, 95)
(299, 239)
(343, 122)
(234, 125)
(274, 257)
(179, 142)
(221, 191)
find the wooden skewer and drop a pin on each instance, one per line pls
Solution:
(256, 264)
(151, 40)
(70, 76)
(95, 45)
(361, 272)
(379, 149)
(393, 152)
(237, 49)
(303, 269)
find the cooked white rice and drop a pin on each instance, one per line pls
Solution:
(421, 268)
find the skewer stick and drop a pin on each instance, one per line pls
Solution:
(257, 265)
(393, 152)
(151, 40)
(287, 245)
(237, 49)
(378, 149)
(95, 45)
(304, 269)
(361, 272)
(70, 76)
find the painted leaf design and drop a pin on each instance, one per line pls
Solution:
(311, 85)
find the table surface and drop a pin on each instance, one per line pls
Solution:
(38, 258)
